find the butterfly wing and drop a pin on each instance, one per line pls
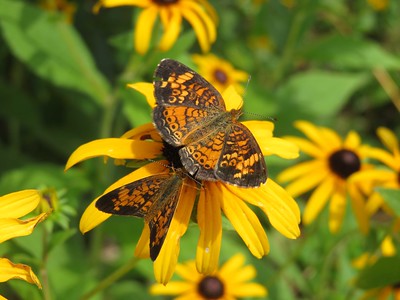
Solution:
(133, 199)
(161, 214)
(241, 162)
(186, 102)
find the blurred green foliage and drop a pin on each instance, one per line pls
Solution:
(63, 84)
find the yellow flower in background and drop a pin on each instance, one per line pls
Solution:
(391, 292)
(145, 143)
(328, 173)
(12, 207)
(220, 73)
(378, 5)
(199, 13)
(230, 281)
(388, 177)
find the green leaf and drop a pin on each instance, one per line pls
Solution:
(383, 273)
(392, 198)
(351, 52)
(51, 48)
(317, 94)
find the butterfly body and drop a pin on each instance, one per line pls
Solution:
(190, 113)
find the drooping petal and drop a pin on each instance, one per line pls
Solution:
(11, 227)
(142, 249)
(92, 217)
(147, 89)
(383, 156)
(9, 270)
(18, 204)
(144, 28)
(318, 200)
(245, 222)
(166, 261)
(375, 201)
(199, 28)
(359, 208)
(171, 19)
(203, 17)
(210, 224)
(115, 148)
(337, 208)
(281, 209)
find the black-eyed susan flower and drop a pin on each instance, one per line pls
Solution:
(145, 143)
(12, 207)
(328, 174)
(388, 177)
(230, 281)
(199, 13)
(219, 72)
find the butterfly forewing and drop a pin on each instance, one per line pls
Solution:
(191, 113)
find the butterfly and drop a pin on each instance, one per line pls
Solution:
(153, 198)
(190, 113)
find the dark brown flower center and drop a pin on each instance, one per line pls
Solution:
(211, 287)
(165, 2)
(220, 76)
(344, 163)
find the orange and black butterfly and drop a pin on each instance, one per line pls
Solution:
(153, 198)
(190, 113)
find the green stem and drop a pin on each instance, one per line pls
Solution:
(43, 267)
(106, 282)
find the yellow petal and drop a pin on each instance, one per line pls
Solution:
(315, 134)
(301, 169)
(92, 217)
(199, 28)
(18, 204)
(147, 90)
(232, 98)
(171, 19)
(142, 249)
(388, 248)
(245, 273)
(337, 208)
(245, 222)
(115, 148)
(249, 290)
(232, 265)
(359, 208)
(164, 265)
(281, 209)
(281, 147)
(389, 139)
(115, 3)
(375, 201)
(144, 28)
(306, 146)
(318, 200)
(210, 224)
(172, 288)
(306, 182)
(11, 228)
(8, 271)
(352, 140)
(383, 156)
